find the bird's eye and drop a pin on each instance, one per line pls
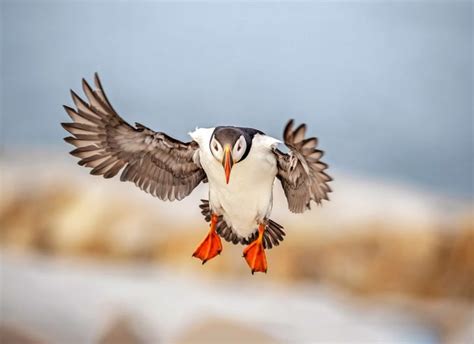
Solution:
(239, 147)
(216, 147)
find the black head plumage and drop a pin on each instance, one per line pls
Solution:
(229, 135)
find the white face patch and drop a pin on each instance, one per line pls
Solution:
(217, 150)
(239, 149)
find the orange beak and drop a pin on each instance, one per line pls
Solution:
(227, 163)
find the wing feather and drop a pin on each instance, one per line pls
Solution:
(155, 162)
(301, 172)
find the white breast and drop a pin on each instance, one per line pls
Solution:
(247, 199)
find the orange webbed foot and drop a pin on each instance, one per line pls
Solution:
(254, 254)
(211, 246)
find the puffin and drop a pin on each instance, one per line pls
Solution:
(240, 166)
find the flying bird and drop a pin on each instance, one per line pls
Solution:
(239, 164)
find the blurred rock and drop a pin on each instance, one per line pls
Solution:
(121, 331)
(382, 251)
(223, 331)
(14, 335)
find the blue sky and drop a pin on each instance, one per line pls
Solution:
(387, 86)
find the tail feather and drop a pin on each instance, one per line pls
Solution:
(272, 236)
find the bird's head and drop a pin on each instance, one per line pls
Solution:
(229, 145)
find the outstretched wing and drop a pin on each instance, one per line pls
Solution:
(301, 171)
(158, 164)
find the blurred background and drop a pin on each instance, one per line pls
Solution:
(387, 88)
